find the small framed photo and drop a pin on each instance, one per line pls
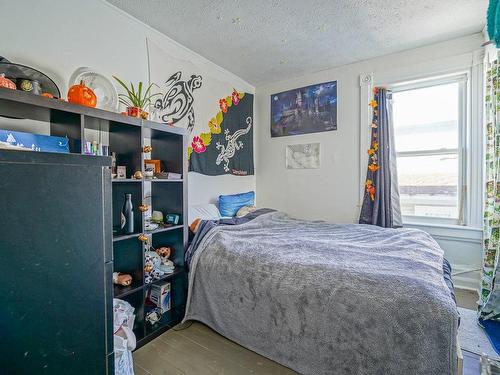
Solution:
(121, 171)
(154, 164)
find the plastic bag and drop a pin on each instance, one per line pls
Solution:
(124, 338)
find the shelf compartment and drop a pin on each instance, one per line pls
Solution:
(122, 291)
(168, 320)
(128, 258)
(174, 239)
(123, 237)
(119, 191)
(125, 180)
(165, 229)
(136, 299)
(168, 198)
(163, 180)
(177, 271)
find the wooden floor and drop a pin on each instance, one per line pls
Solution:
(197, 350)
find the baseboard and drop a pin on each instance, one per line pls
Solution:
(466, 278)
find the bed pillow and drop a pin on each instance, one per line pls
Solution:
(230, 204)
(245, 210)
(204, 212)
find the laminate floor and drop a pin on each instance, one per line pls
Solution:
(198, 350)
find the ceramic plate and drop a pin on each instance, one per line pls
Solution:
(107, 97)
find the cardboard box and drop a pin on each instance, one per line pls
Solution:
(160, 296)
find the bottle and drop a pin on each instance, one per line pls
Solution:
(127, 215)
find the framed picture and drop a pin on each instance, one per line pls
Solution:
(154, 164)
(303, 156)
(309, 109)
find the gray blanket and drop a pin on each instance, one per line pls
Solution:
(327, 299)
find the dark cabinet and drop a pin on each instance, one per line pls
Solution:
(56, 264)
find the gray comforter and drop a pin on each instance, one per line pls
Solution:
(327, 299)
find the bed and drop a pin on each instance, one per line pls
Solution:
(323, 298)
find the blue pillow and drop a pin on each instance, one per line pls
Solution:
(230, 204)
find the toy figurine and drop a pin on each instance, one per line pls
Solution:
(123, 279)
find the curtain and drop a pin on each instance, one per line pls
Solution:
(493, 21)
(490, 290)
(381, 200)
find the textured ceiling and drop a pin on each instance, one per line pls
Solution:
(270, 40)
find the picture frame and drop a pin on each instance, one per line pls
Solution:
(121, 172)
(154, 163)
(308, 109)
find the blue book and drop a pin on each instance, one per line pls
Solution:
(35, 142)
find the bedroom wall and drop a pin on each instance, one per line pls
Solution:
(332, 192)
(68, 34)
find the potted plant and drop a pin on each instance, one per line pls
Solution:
(136, 100)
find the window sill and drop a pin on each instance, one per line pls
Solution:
(449, 231)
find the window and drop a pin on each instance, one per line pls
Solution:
(429, 131)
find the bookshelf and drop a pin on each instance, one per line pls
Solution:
(126, 136)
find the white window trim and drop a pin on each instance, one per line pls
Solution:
(473, 65)
(462, 78)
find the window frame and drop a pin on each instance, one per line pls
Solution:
(463, 195)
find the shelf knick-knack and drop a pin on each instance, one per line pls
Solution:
(143, 207)
(127, 215)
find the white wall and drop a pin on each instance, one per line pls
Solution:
(332, 192)
(64, 35)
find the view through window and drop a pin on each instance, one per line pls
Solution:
(427, 137)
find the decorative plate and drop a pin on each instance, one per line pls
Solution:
(107, 97)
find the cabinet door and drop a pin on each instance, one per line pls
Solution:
(52, 273)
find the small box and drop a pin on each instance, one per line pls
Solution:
(160, 296)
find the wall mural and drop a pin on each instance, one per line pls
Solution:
(218, 144)
(178, 100)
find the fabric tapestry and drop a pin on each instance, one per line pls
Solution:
(227, 148)
(381, 200)
(217, 115)
(490, 290)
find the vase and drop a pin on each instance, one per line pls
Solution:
(137, 112)
(127, 215)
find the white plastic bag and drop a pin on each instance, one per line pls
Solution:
(124, 338)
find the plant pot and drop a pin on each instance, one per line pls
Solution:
(137, 112)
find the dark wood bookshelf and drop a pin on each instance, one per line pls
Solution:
(126, 136)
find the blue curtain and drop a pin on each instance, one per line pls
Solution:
(381, 200)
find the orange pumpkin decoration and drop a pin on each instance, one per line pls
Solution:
(7, 83)
(81, 94)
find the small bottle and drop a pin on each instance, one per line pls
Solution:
(127, 215)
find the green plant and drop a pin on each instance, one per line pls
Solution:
(135, 98)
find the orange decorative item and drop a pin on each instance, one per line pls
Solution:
(81, 94)
(137, 112)
(48, 95)
(7, 83)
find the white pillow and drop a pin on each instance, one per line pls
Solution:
(203, 211)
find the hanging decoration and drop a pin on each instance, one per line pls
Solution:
(227, 148)
(373, 166)
(218, 116)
